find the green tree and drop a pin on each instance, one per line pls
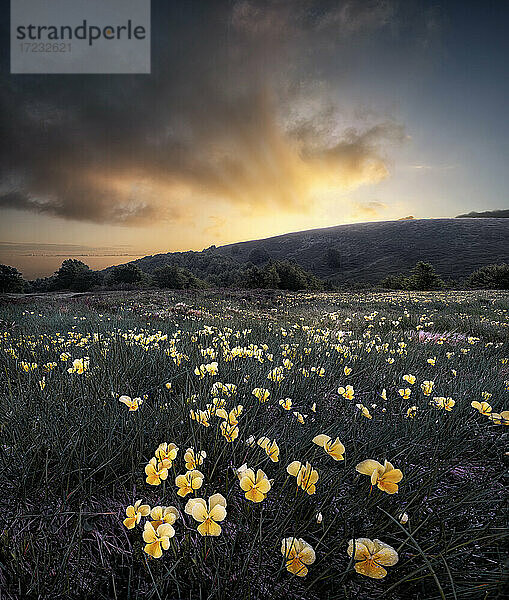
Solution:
(424, 277)
(258, 255)
(11, 280)
(75, 275)
(128, 273)
(490, 277)
(176, 278)
(293, 277)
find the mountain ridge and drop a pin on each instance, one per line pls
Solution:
(359, 252)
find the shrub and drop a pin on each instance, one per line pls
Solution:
(128, 273)
(11, 279)
(491, 277)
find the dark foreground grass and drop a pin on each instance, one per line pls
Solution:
(73, 457)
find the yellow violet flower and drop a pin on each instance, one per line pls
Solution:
(158, 539)
(156, 471)
(271, 448)
(500, 418)
(365, 412)
(372, 556)
(256, 486)
(79, 365)
(194, 459)
(262, 394)
(300, 417)
(483, 407)
(427, 387)
(347, 392)
(166, 452)
(410, 413)
(200, 416)
(231, 417)
(385, 476)
(229, 432)
(441, 402)
(134, 513)
(298, 553)
(409, 379)
(133, 404)
(163, 514)
(335, 448)
(189, 482)
(208, 516)
(306, 475)
(286, 403)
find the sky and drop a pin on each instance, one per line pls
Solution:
(259, 117)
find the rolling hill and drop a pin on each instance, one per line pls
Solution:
(361, 252)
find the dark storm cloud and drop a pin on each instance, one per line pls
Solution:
(218, 119)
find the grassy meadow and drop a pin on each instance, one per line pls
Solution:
(287, 401)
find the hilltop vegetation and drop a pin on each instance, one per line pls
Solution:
(363, 252)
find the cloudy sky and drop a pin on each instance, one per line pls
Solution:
(260, 117)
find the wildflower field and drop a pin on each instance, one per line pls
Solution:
(207, 445)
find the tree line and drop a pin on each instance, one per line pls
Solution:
(75, 275)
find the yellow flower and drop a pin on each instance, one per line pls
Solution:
(306, 475)
(201, 416)
(207, 516)
(166, 452)
(410, 413)
(372, 556)
(405, 393)
(286, 403)
(163, 514)
(79, 365)
(384, 394)
(134, 513)
(262, 394)
(157, 540)
(231, 417)
(42, 383)
(156, 471)
(365, 412)
(432, 361)
(500, 418)
(409, 379)
(271, 448)
(256, 486)
(300, 417)
(335, 448)
(313, 408)
(385, 476)
(347, 392)
(298, 553)
(189, 482)
(441, 402)
(133, 404)
(229, 432)
(194, 459)
(347, 370)
(427, 387)
(483, 407)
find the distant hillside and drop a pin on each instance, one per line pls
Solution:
(362, 252)
(497, 214)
